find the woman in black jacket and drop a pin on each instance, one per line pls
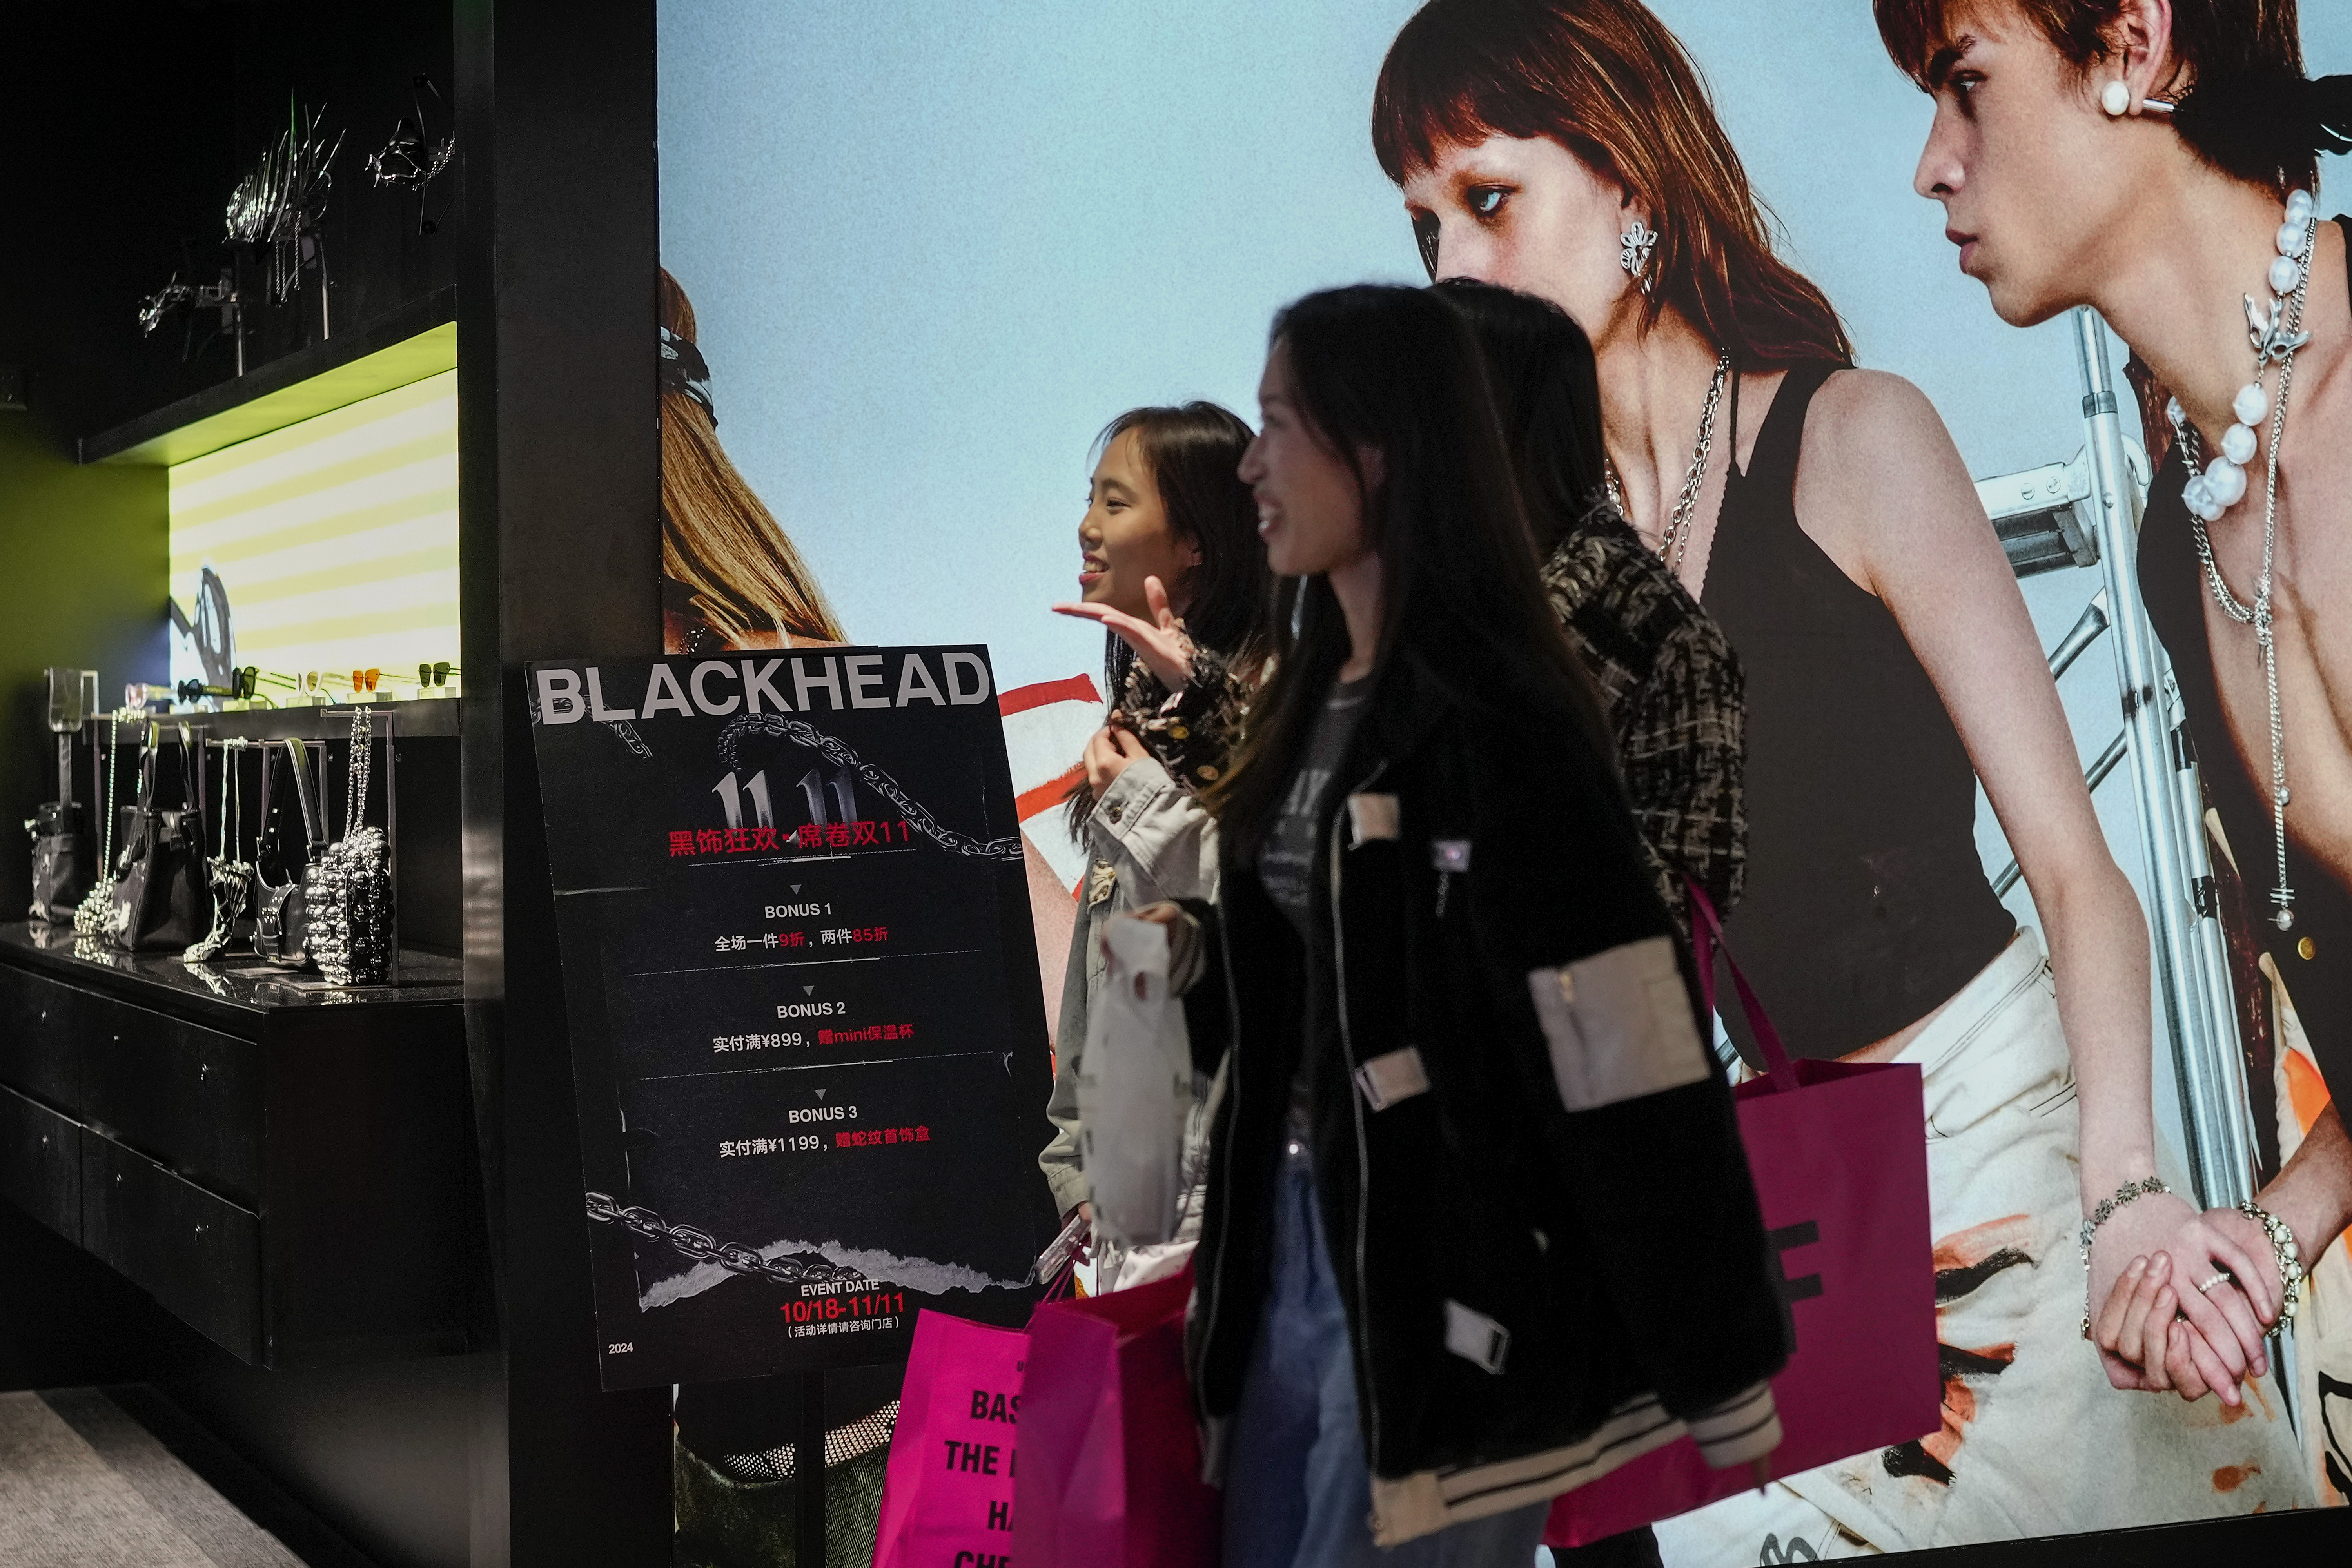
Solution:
(1480, 1227)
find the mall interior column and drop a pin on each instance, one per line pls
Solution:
(560, 475)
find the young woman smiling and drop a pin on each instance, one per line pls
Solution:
(1170, 560)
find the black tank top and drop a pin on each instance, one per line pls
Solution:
(1867, 904)
(2315, 957)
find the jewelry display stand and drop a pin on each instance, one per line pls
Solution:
(326, 727)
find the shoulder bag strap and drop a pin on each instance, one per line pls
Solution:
(269, 837)
(191, 782)
(268, 772)
(314, 827)
(147, 760)
(1706, 936)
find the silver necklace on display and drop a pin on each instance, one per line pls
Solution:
(91, 916)
(2276, 334)
(1677, 534)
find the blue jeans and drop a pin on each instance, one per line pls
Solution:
(1297, 1490)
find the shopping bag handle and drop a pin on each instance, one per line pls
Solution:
(1706, 936)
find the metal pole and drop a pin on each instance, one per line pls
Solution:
(808, 1475)
(391, 831)
(2207, 1060)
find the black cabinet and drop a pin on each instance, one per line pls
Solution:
(188, 1097)
(193, 1250)
(285, 1167)
(40, 1164)
(37, 1038)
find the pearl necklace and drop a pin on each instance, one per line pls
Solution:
(2276, 334)
(1670, 548)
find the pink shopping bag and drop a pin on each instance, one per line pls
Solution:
(947, 1492)
(1840, 1158)
(1110, 1460)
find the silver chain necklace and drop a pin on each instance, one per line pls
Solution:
(1677, 535)
(2275, 335)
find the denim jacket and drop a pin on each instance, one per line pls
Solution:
(1147, 839)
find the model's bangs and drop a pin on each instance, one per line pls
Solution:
(1915, 32)
(1419, 106)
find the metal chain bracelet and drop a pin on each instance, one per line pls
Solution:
(700, 1245)
(2289, 1258)
(2105, 1211)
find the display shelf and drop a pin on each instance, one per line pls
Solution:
(240, 984)
(402, 346)
(436, 716)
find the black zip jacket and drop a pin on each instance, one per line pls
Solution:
(1539, 1213)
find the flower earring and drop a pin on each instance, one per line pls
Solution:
(1636, 244)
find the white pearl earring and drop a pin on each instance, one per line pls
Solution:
(2116, 99)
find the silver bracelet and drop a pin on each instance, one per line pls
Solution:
(2283, 1248)
(2104, 1212)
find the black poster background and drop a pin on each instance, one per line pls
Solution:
(901, 1159)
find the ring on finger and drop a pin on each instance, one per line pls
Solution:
(2220, 1277)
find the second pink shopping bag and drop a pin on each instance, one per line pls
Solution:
(1840, 1159)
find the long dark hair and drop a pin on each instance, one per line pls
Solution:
(1609, 81)
(1396, 371)
(1194, 455)
(1548, 395)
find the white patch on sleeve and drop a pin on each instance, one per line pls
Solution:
(1477, 1338)
(1386, 1080)
(1370, 817)
(1618, 1024)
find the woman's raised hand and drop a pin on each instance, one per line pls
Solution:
(1160, 642)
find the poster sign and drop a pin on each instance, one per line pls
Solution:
(807, 1030)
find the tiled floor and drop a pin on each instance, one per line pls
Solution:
(84, 1486)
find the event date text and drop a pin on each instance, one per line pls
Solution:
(881, 1304)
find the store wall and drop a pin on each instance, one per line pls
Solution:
(133, 121)
(124, 169)
(83, 568)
